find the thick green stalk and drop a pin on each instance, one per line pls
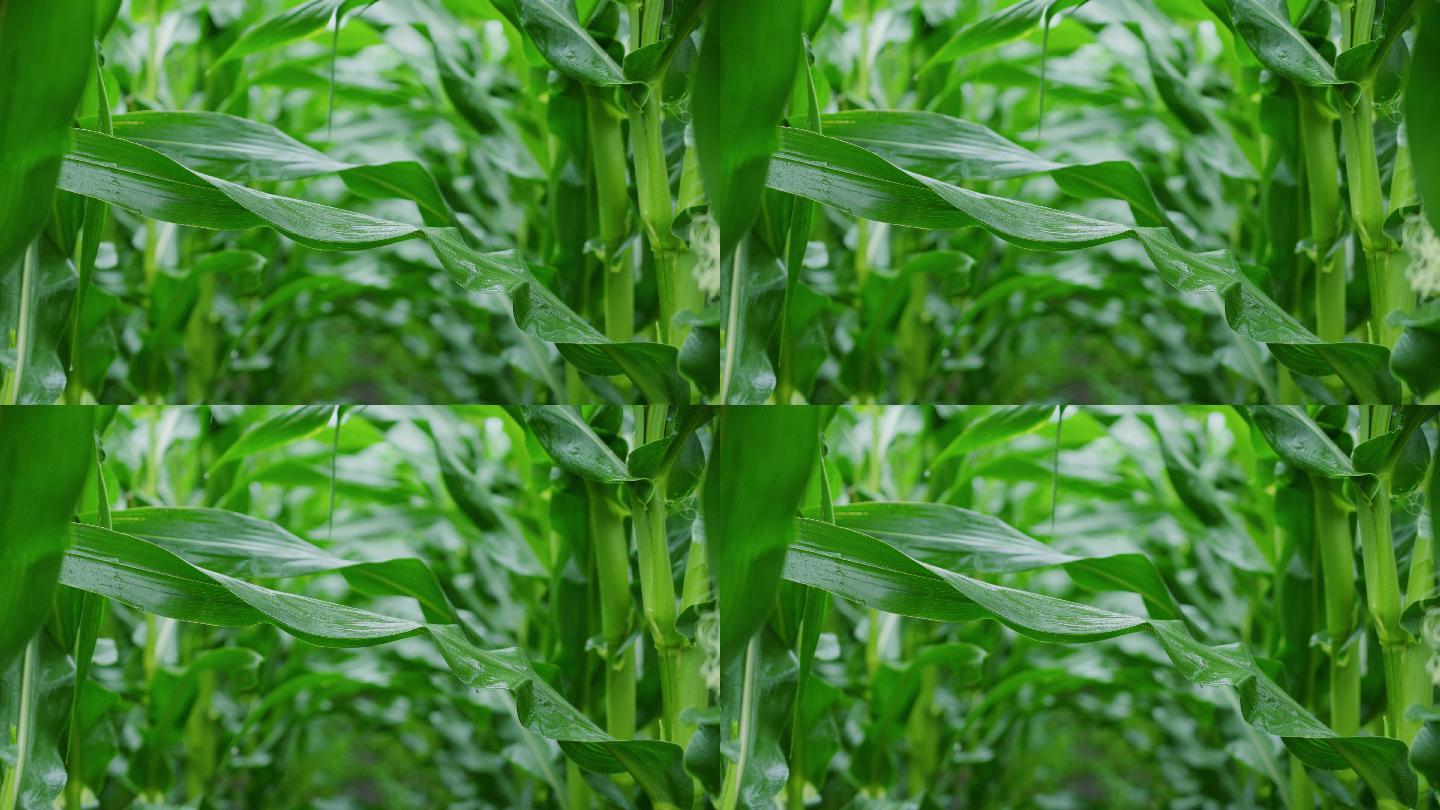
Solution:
(607, 153)
(1337, 561)
(680, 683)
(1382, 583)
(1323, 184)
(1388, 290)
(612, 564)
(578, 789)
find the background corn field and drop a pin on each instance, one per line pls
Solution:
(485, 607)
(809, 201)
(736, 404)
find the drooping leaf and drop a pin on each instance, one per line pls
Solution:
(149, 578)
(242, 150)
(860, 183)
(995, 426)
(1300, 442)
(759, 466)
(996, 28)
(874, 574)
(45, 53)
(45, 453)
(959, 539)
(1265, 27)
(148, 183)
(573, 445)
(298, 21)
(291, 425)
(565, 43)
(742, 81)
(243, 546)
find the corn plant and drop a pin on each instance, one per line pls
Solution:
(1014, 606)
(383, 607)
(742, 202)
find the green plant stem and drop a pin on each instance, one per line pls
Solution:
(1302, 790)
(735, 774)
(1382, 585)
(10, 787)
(607, 153)
(1388, 288)
(96, 212)
(1337, 561)
(1323, 186)
(10, 395)
(612, 564)
(92, 610)
(677, 289)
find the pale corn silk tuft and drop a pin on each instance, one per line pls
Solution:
(705, 243)
(1423, 245)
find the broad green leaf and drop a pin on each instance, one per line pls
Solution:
(566, 45)
(242, 546)
(760, 463)
(995, 426)
(44, 453)
(573, 445)
(148, 183)
(741, 83)
(45, 53)
(149, 578)
(874, 574)
(296, 22)
(959, 539)
(1300, 442)
(291, 425)
(860, 183)
(1422, 110)
(1265, 27)
(958, 151)
(997, 27)
(242, 150)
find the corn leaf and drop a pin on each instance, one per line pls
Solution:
(759, 467)
(150, 578)
(45, 453)
(861, 183)
(872, 573)
(148, 183)
(43, 79)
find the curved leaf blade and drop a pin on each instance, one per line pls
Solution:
(150, 578)
(858, 182)
(872, 573)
